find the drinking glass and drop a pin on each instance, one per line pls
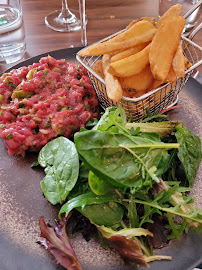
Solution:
(187, 6)
(64, 20)
(12, 33)
(82, 12)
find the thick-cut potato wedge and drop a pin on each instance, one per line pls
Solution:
(128, 52)
(140, 32)
(178, 62)
(133, 93)
(171, 77)
(140, 81)
(155, 84)
(113, 87)
(149, 19)
(132, 23)
(115, 52)
(172, 11)
(135, 31)
(187, 63)
(98, 68)
(131, 65)
(164, 46)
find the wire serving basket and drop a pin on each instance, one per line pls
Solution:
(156, 100)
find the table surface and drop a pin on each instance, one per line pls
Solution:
(104, 19)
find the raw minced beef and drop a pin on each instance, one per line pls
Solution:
(42, 101)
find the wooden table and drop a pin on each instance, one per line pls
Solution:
(104, 18)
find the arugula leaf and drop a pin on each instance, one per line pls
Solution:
(189, 153)
(153, 118)
(106, 121)
(132, 212)
(173, 226)
(194, 215)
(61, 162)
(91, 124)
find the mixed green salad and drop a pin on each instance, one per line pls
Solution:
(131, 180)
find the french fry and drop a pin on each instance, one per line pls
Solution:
(187, 63)
(140, 81)
(128, 52)
(155, 84)
(164, 46)
(132, 23)
(98, 68)
(171, 77)
(142, 58)
(178, 62)
(172, 11)
(115, 52)
(131, 65)
(140, 32)
(113, 87)
(133, 93)
(149, 19)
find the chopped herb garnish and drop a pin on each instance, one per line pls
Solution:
(21, 104)
(9, 136)
(47, 125)
(59, 108)
(12, 84)
(69, 86)
(78, 76)
(45, 71)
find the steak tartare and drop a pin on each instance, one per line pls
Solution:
(42, 101)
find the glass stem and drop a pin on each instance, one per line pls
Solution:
(82, 11)
(65, 12)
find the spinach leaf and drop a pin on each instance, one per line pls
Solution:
(189, 153)
(83, 172)
(99, 186)
(123, 160)
(61, 162)
(81, 187)
(107, 214)
(86, 199)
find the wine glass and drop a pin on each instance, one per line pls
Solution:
(64, 20)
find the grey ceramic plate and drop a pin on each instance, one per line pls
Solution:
(22, 203)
